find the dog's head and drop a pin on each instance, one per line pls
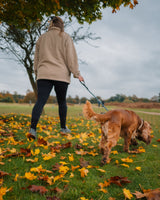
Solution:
(144, 133)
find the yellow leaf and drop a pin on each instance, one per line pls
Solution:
(124, 165)
(141, 150)
(13, 150)
(99, 130)
(71, 175)
(101, 170)
(153, 145)
(30, 176)
(16, 177)
(92, 153)
(63, 163)
(63, 169)
(71, 158)
(3, 191)
(1, 182)
(128, 160)
(48, 156)
(84, 172)
(117, 162)
(32, 160)
(58, 177)
(103, 190)
(37, 151)
(127, 193)
(83, 198)
(138, 168)
(49, 180)
(114, 152)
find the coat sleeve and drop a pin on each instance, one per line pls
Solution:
(36, 58)
(71, 58)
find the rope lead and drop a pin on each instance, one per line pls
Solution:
(98, 100)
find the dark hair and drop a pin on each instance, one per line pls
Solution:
(57, 22)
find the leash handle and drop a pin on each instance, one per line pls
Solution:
(98, 100)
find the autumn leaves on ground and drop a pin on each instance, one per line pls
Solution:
(60, 167)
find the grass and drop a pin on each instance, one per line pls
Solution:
(85, 135)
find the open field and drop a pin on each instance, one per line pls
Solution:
(58, 167)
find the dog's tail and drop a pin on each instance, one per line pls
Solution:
(90, 114)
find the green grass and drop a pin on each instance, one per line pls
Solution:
(13, 128)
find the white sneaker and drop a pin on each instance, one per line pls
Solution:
(65, 130)
(33, 133)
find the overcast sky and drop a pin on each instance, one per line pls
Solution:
(126, 61)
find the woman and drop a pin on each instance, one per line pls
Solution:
(55, 59)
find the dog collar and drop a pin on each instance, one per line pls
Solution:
(142, 122)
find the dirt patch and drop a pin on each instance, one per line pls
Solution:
(136, 105)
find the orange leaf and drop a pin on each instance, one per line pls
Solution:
(84, 172)
(74, 167)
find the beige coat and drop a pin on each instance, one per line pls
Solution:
(55, 56)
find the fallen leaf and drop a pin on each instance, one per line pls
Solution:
(63, 169)
(119, 180)
(114, 152)
(40, 189)
(127, 194)
(41, 141)
(83, 163)
(124, 165)
(27, 152)
(101, 170)
(56, 167)
(2, 173)
(84, 172)
(81, 152)
(3, 191)
(71, 158)
(74, 167)
(138, 168)
(30, 176)
(149, 194)
(128, 160)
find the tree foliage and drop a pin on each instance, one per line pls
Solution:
(24, 12)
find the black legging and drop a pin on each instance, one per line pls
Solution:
(44, 88)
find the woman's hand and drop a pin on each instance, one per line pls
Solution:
(81, 78)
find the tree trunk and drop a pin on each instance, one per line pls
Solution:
(32, 81)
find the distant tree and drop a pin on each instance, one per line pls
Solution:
(30, 97)
(70, 99)
(52, 99)
(134, 98)
(117, 98)
(17, 97)
(77, 100)
(6, 97)
(83, 100)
